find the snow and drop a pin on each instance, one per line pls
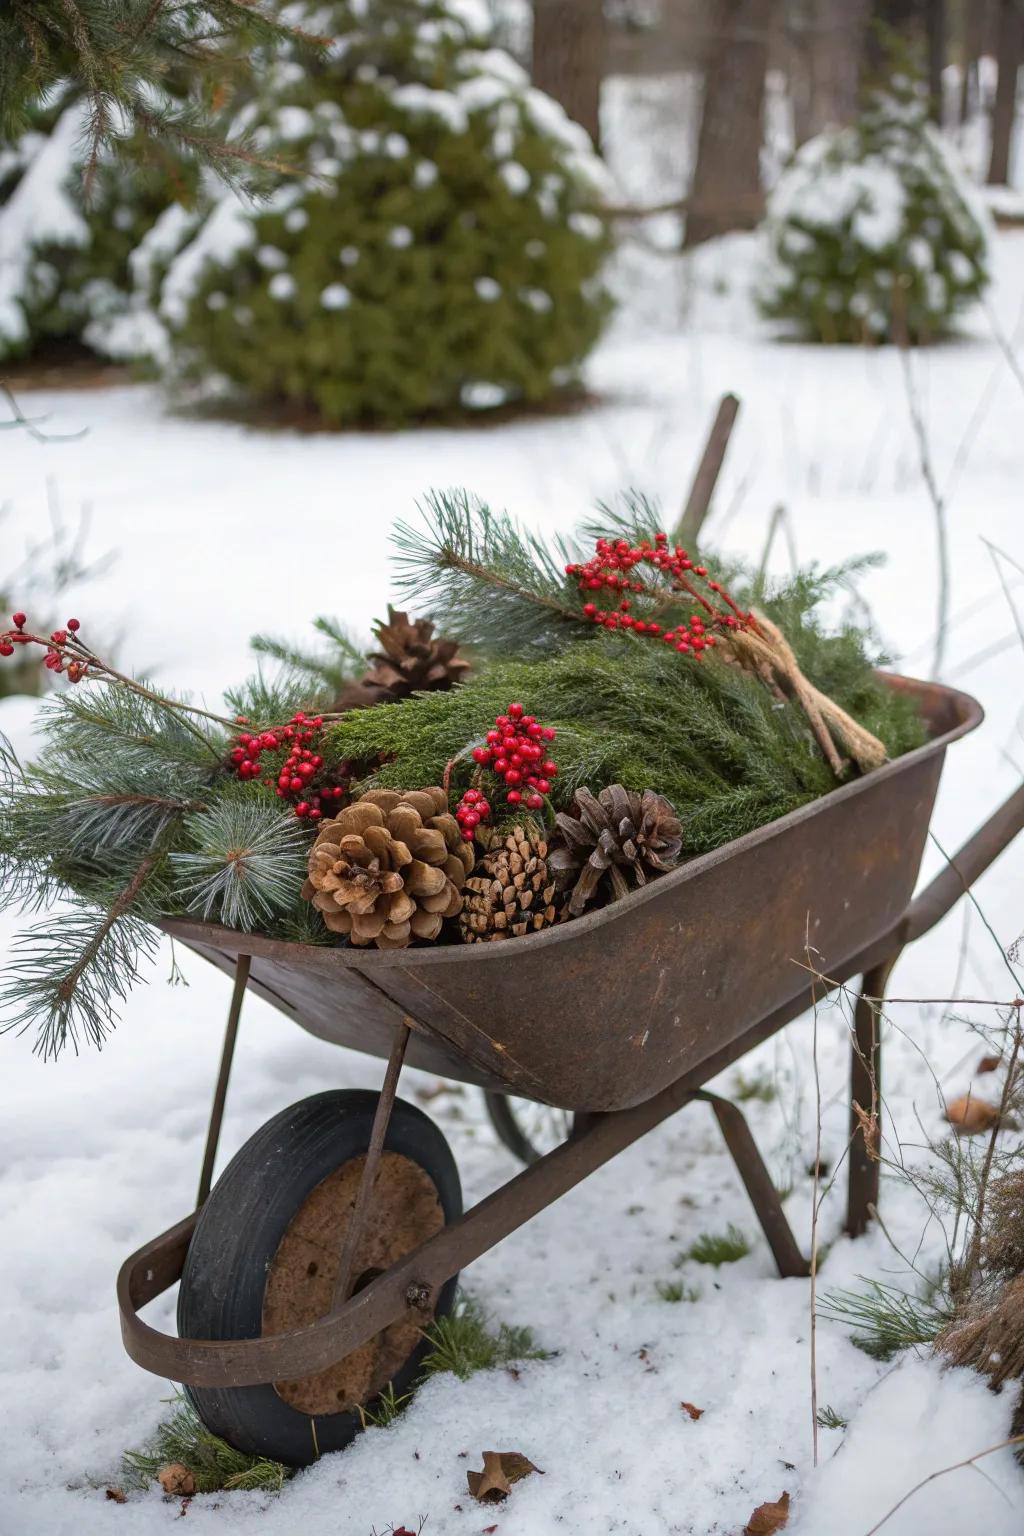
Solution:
(98, 1154)
(227, 230)
(336, 296)
(420, 100)
(38, 212)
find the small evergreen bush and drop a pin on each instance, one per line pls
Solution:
(439, 247)
(65, 254)
(874, 233)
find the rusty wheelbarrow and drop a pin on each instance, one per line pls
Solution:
(336, 1234)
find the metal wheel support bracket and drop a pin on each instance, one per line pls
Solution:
(220, 1092)
(757, 1181)
(378, 1131)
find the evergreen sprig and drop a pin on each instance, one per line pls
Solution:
(156, 67)
(324, 673)
(246, 861)
(486, 581)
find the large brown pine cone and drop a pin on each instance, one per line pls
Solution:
(611, 843)
(390, 868)
(511, 891)
(410, 660)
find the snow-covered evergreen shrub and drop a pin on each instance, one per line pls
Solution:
(873, 231)
(64, 256)
(439, 248)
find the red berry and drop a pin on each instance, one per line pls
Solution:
(481, 755)
(315, 815)
(74, 625)
(549, 767)
(302, 809)
(534, 802)
(467, 836)
(500, 765)
(590, 609)
(295, 785)
(543, 786)
(19, 620)
(514, 797)
(515, 711)
(549, 733)
(6, 648)
(472, 796)
(470, 819)
(493, 737)
(513, 776)
(59, 637)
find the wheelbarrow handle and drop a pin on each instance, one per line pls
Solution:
(992, 838)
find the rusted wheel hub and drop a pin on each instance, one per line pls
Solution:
(405, 1210)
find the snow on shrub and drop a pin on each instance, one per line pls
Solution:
(64, 257)
(440, 246)
(873, 231)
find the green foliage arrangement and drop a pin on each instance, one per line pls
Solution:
(874, 233)
(144, 806)
(440, 249)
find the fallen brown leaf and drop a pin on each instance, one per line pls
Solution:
(870, 1130)
(987, 1064)
(695, 1413)
(768, 1518)
(500, 1471)
(117, 1496)
(969, 1115)
(176, 1478)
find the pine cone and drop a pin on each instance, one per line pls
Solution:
(410, 660)
(512, 891)
(613, 841)
(390, 868)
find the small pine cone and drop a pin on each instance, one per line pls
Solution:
(411, 660)
(611, 843)
(511, 892)
(390, 868)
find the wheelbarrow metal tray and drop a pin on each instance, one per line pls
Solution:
(602, 1013)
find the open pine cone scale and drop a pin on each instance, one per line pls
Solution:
(390, 868)
(613, 843)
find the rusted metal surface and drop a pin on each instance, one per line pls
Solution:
(712, 945)
(866, 1100)
(757, 1181)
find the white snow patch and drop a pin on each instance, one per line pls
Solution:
(401, 237)
(515, 176)
(38, 211)
(227, 231)
(281, 286)
(420, 101)
(336, 296)
(487, 289)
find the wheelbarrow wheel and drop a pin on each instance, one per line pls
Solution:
(264, 1257)
(529, 1129)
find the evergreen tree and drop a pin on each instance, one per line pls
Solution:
(442, 248)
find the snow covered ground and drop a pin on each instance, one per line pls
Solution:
(222, 531)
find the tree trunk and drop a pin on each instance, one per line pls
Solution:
(900, 17)
(974, 43)
(836, 57)
(726, 191)
(1009, 48)
(569, 42)
(935, 25)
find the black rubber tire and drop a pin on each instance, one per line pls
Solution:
(239, 1231)
(512, 1133)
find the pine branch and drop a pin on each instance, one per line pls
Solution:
(68, 984)
(329, 670)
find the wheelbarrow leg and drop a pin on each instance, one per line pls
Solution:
(764, 1197)
(866, 1096)
(220, 1092)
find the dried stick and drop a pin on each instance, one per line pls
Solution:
(956, 1466)
(974, 1256)
(688, 529)
(938, 502)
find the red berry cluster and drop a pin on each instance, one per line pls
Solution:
(613, 568)
(515, 752)
(471, 810)
(56, 658)
(301, 778)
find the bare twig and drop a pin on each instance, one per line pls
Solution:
(31, 424)
(956, 1466)
(974, 1256)
(938, 506)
